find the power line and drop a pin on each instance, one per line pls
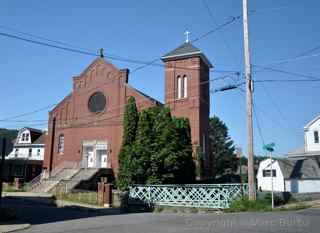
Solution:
(258, 125)
(84, 52)
(274, 103)
(288, 72)
(296, 58)
(10, 119)
(219, 27)
(210, 12)
(286, 80)
(28, 113)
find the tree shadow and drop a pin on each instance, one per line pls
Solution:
(40, 212)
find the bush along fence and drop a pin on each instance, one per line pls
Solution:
(216, 196)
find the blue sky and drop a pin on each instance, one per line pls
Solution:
(32, 76)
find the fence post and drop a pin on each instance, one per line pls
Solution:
(149, 196)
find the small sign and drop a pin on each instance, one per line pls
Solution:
(269, 147)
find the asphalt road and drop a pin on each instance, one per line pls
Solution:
(50, 219)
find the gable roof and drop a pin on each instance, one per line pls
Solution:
(312, 121)
(300, 169)
(186, 50)
(145, 95)
(41, 139)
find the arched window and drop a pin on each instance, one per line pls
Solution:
(61, 144)
(179, 80)
(185, 86)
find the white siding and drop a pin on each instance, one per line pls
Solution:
(303, 186)
(25, 133)
(309, 137)
(24, 153)
(265, 182)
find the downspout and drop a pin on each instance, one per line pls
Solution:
(52, 144)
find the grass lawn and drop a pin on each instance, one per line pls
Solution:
(90, 198)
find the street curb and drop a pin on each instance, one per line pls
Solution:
(15, 227)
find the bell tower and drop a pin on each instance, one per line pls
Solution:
(187, 93)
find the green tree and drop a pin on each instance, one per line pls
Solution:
(221, 147)
(130, 122)
(127, 162)
(159, 152)
(171, 160)
(143, 147)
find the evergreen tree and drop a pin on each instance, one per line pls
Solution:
(130, 122)
(221, 147)
(143, 147)
(127, 161)
(180, 161)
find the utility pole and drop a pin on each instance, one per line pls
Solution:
(270, 148)
(271, 175)
(251, 176)
(3, 152)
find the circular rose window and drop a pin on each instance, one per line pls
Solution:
(97, 102)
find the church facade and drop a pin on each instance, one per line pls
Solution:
(85, 129)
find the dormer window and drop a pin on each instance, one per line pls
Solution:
(316, 136)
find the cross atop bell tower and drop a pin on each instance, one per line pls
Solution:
(186, 33)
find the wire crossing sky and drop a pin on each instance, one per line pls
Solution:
(284, 45)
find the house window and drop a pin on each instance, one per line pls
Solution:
(23, 137)
(27, 137)
(16, 152)
(61, 144)
(18, 171)
(38, 152)
(179, 86)
(30, 152)
(316, 136)
(185, 85)
(267, 173)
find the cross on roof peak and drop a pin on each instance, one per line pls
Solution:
(186, 33)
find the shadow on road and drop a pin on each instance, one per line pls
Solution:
(40, 212)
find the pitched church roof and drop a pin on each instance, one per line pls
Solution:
(186, 50)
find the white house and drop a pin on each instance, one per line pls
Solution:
(311, 147)
(26, 158)
(290, 175)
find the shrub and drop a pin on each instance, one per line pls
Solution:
(244, 204)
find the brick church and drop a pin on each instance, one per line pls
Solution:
(85, 128)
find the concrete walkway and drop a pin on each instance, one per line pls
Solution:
(13, 226)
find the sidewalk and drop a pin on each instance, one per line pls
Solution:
(38, 198)
(11, 226)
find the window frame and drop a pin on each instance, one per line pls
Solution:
(61, 144)
(179, 86)
(267, 173)
(185, 86)
(316, 137)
